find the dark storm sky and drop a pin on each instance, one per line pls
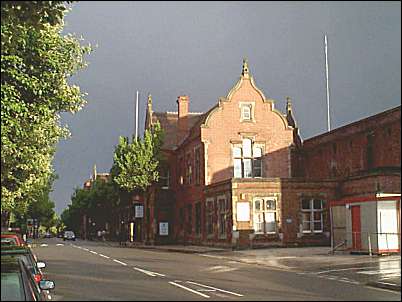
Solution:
(196, 48)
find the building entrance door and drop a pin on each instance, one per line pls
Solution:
(356, 228)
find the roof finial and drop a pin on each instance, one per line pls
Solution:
(245, 72)
(149, 99)
(288, 104)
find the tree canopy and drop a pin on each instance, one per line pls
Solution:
(36, 63)
(97, 202)
(135, 164)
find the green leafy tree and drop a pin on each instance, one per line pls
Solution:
(135, 165)
(36, 62)
(98, 203)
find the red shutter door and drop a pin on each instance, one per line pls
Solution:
(356, 228)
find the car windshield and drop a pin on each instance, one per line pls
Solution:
(28, 261)
(8, 241)
(11, 287)
(69, 233)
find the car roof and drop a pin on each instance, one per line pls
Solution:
(15, 249)
(9, 234)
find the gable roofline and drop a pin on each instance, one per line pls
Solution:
(229, 96)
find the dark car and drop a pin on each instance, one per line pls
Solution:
(69, 235)
(17, 284)
(48, 235)
(28, 257)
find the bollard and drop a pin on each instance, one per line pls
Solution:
(369, 245)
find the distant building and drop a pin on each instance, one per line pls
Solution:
(240, 176)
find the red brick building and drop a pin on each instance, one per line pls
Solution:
(239, 174)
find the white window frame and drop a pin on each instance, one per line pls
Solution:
(246, 111)
(311, 211)
(264, 212)
(249, 158)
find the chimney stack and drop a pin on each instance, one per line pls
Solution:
(182, 104)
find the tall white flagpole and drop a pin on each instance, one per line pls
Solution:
(326, 76)
(136, 117)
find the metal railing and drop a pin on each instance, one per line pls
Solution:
(370, 242)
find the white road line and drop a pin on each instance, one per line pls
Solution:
(122, 263)
(218, 289)
(381, 272)
(60, 244)
(43, 244)
(386, 283)
(220, 269)
(149, 273)
(339, 270)
(104, 256)
(93, 252)
(189, 289)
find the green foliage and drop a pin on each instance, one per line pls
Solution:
(97, 202)
(135, 164)
(36, 62)
(33, 13)
(41, 207)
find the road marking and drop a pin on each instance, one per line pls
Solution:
(59, 244)
(122, 263)
(93, 252)
(43, 244)
(220, 269)
(218, 289)
(85, 249)
(189, 289)
(149, 273)
(381, 272)
(104, 256)
(340, 270)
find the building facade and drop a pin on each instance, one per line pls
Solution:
(240, 176)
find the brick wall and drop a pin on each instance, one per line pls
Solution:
(268, 127)
(346, 151)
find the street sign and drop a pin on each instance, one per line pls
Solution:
(139, 211)
(163, 228)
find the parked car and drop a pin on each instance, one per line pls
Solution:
(48, 235)
(17, 284)
(11, 238)
(68, 235)
(28, 257)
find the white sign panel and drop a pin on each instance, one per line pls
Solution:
(243, 211)
(163, 228)
(139, 211)
(387, 218)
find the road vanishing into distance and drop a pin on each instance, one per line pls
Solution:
(85, 270)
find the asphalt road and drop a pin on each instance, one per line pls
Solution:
(85, 271)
